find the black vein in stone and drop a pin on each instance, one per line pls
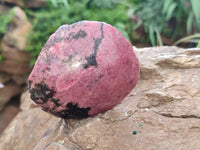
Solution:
(73, 111)
(91, 60)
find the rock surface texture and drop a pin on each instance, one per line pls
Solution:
(161, 113)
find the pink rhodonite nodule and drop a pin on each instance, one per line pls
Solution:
(84, 69)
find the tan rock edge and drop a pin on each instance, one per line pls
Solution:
(163, 112)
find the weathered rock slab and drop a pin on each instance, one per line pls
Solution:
(7, 92)
(162, 112)
(6, 116)
(16, 62)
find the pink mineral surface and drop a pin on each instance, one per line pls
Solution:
(84, 69)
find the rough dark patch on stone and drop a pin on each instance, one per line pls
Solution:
(64, 28)
(57, 40)
(48, 68)
(47, 109)
(73, 111)
(80, 34)
(100, 76)
(76, 36)
(40, 91)
(71, 34)
(67, 38)
(91, 61)
(70, 57)
(56, 102)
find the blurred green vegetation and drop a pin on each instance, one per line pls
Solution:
(143, 23)
(5, 19)
(171, 18)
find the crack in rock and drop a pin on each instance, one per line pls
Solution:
(180, 116)
(179, 62)
(157, 98)
(74, 142)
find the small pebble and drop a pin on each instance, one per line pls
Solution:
(134, 132)
(84, 69)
